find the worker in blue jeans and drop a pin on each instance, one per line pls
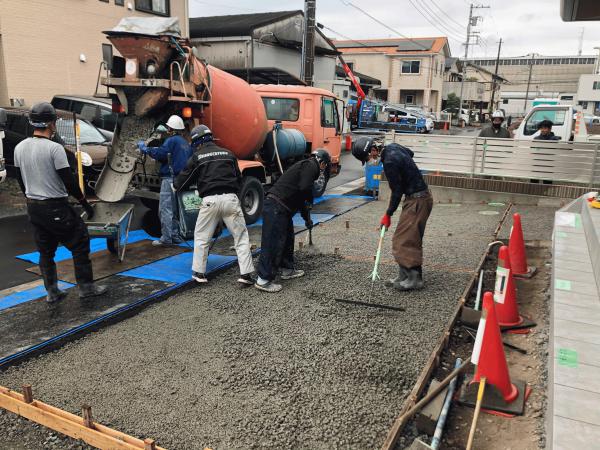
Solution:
(173, 155)
(292, 192)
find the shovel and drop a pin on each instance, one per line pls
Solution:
(374, 276)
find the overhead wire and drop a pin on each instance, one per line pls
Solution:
(458, 30)
(461, 27)
(433, 24)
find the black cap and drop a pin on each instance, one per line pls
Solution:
(362, 147)
(41, 114)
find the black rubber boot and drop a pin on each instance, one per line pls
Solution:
(414, 280)
(53, 293)
(395, 282)
(85, 280)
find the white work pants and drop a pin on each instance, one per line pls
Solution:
(214, 208)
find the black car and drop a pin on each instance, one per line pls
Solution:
(96, 110)
(92, 141)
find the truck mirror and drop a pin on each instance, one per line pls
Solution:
(107, 55)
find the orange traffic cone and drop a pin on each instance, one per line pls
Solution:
(516, 248)
(348, 142)
(505, 293)
(503, 395)
(490, 357)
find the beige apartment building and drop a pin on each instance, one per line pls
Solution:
(52, 47)
(411, 70)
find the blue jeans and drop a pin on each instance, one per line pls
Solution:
(167, 211)
(277, 242)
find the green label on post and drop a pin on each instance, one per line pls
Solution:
(561, 234)
(563, 285)
(578, 221)
(567, 357)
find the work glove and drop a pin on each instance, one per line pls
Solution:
(87, 208)
(142, 146)
(309, 224)
(386, 221)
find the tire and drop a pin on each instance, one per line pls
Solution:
(252, 196)
(320, 185)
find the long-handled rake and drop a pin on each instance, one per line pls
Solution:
(374, 276)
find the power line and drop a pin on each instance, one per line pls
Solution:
(460, 29)
(348, 3)
(460, 26)
(443, 31)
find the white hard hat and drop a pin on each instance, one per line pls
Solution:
(498, 113)
(175, 123)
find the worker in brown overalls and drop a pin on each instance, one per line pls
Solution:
(404, 178)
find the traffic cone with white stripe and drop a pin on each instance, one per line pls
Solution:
(516, 249)
(502, 395)
(505, 295)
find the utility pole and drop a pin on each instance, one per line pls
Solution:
(472, 22)
(308, 44)
(580, 49)
(491, 108)
(528, 83)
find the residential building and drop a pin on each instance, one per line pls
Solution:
(52, 47)
(588, 93)
(368, 84)
(411, 70)
(477, 87)
(262, 47)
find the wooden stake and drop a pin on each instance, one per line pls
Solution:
(300, 245)
(347, 224)
(88, 421)
(149, 444)
(336, 251)
(480, 392)
(27, 393)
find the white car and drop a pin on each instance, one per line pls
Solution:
(464, 114)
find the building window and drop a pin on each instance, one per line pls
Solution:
(105, 1)
(120, 2)
(505, 101)
(409, 99)
(596, 85)
(411, 66)
(350, 65)
(158, 7)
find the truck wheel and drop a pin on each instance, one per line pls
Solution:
(252, 197)
(320, 185)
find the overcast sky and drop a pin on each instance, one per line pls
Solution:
(525, 26)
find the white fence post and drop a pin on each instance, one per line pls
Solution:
(474, 157)
(593, 174)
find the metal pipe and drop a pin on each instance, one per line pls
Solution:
(439, 428)
(479, 286)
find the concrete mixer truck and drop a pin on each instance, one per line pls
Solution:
(158, 73)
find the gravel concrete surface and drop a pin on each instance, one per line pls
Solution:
(227, 367)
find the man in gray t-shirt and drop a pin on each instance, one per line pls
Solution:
(45, 178)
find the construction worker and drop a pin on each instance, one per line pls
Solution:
(292, 192)
(404, 178)
(173, 155)
(496, 130)
(546, 134)
(215, 173)
(44, 175)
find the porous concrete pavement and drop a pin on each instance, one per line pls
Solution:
(226, 367)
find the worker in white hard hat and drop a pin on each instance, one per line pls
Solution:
(496, 130)
(173, 155)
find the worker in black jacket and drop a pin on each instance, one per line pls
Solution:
(46, 179)
(546, 134)
(291, 193)
(215, 173)
(405, 179)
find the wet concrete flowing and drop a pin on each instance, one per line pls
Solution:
(227, 367)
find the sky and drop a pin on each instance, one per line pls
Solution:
(525, 26)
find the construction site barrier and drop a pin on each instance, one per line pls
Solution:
(569, 162)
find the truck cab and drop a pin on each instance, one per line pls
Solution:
(562, 116)
(310, 110)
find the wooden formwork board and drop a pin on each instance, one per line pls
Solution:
(94, 434)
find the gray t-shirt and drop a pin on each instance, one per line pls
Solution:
(39, 159)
